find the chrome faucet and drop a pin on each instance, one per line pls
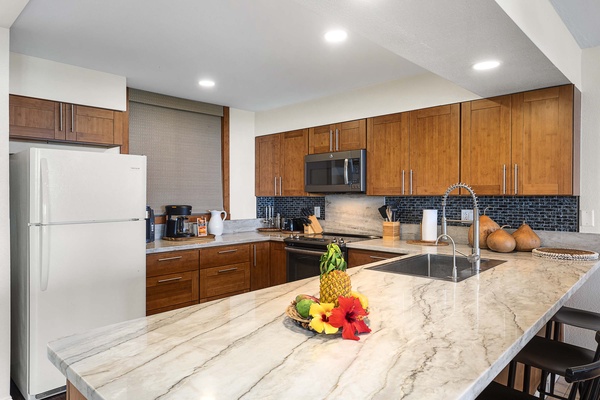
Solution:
(475, 257)
(454, 269)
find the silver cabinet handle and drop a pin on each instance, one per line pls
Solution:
(170, 258)
(516, 179)
(411, 179)
(221, 271)
(504, 179)
(402, 181)
(60, 127)
(380, 258)
(280, 186)
(275, 190)
(337, 140)
(303, 252)
(227, 251)
(330, 140)
(254, 246)
(171, 279)
(72, 117)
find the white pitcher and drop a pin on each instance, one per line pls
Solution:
(215, 225)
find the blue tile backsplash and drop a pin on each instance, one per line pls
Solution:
(546, 213)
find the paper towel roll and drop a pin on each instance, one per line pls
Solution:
(429, 225)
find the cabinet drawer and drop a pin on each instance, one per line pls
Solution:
(171, 262)
(362, 257)
(224, 255)
(170, 291)
(224, 280)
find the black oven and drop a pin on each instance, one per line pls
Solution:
(303, 253)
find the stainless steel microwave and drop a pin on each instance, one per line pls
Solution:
(339, 172)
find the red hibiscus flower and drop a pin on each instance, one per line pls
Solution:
(350, 317)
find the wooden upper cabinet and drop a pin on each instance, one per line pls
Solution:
(542, 141)
(388, 155)
(486, 146)
(294, 146)
(267, 155)
(350, 135)
(35, 118)
(93, 125)
(434, 149)
(39, 119)
(279, 163)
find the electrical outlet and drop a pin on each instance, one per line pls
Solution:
(317, 211)
(587, 217)
(466, 215)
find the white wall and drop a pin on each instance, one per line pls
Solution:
(44, 79)
(541, 23)
(241, 155)
(426, 90)
(4, 223)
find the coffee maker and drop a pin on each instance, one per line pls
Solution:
(176, 221)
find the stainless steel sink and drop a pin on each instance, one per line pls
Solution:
(436, 266)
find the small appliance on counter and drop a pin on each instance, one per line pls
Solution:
(150, 227)
(176, 221)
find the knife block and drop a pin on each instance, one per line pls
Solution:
(391, 230)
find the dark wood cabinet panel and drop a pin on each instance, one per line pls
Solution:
(278, 263)
(224, 281)
(31, 118)
(294, 146)
(171, 262)
(267, 161)
(168, 292)
(357, 257)
(224, 255)
(350, 135)
(260, 262)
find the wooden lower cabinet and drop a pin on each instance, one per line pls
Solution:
(224, 281)
(171, 280)
(358, 257)
(260, 265)
(278, 268)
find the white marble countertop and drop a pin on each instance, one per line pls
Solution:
(160, 246)
(430, 339)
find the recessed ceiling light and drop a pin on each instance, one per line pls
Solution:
(486, 65)
(206, 83)
(336, 36)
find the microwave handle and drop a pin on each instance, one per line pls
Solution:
(346, 179)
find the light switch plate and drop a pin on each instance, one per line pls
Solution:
(466, 215)
(587, 217)
(317, 211)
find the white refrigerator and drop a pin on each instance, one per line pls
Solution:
(77, 253)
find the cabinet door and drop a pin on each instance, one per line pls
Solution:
(387, 155)
(294, 146)
(351, 135)
(267, 155)
(542, 134)
(320, 139)
(434, 149)
(278, 263)
(168, 292)
(36, 118)
(224, 281)
(486, 146)
(93, 125)
(358, 257)
(259, 266)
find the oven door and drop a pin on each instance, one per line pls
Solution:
(303, 262)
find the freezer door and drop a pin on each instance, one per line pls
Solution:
(75, 186)
(94, 276)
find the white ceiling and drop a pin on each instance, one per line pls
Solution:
(265, 54)
(582, 18)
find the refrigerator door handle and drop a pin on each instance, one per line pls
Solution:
(44, 229)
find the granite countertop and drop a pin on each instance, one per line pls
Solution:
(160, 246)
(430, 339)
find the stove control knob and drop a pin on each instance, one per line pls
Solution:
(334, 240)
(291, 235)
(341, 240)
(297, 237)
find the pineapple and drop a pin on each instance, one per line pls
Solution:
(335, 282)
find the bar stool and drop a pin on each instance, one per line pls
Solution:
(551, 355)
(569, 316)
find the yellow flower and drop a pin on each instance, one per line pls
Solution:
(320, 317)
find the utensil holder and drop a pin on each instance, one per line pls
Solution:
(391, 230)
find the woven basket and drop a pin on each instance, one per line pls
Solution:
(565, 254)
(292, 313)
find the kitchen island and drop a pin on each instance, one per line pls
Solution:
(430, 339)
